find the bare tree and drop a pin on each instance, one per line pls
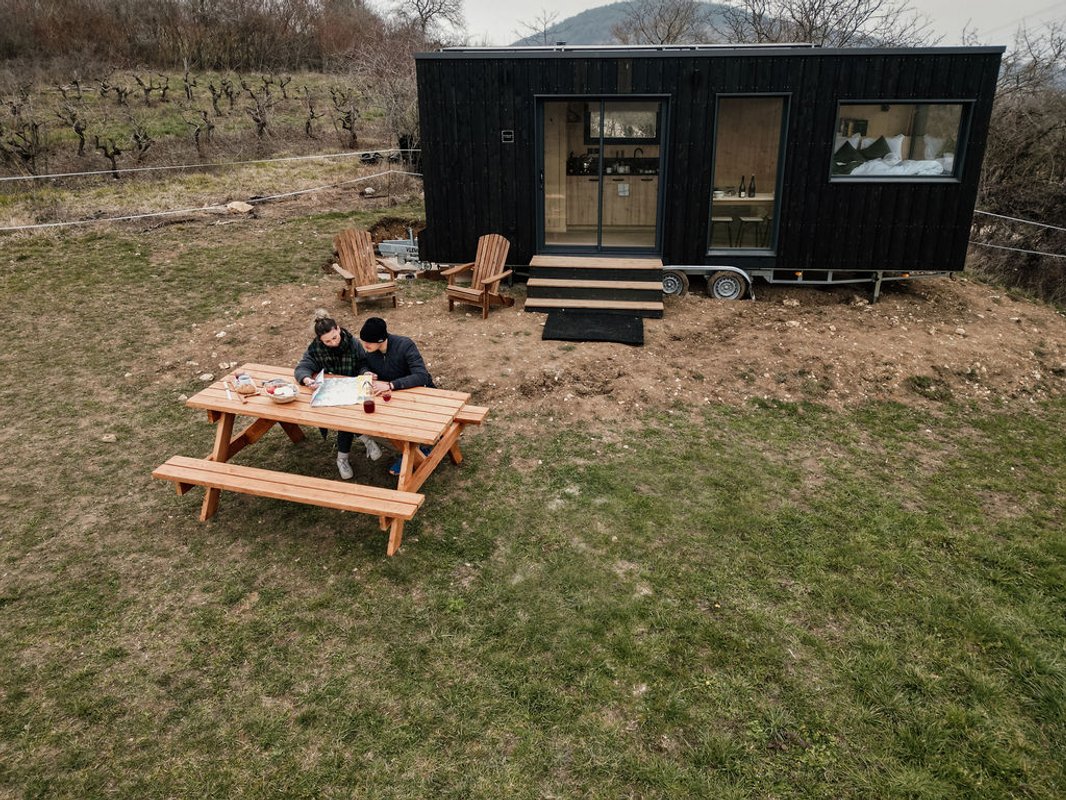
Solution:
(663, 22)
(111, 152)
(216, 95)
(187, 82)
(201, 128)
(826, 23)
(1024, 173)
(259, 111)
(386, 67)
(72, 116)
(142, 140)
(540, 29)
(312, 115)
(347, 113)
(23, 143)
(431, 16)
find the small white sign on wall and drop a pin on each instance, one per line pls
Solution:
(623, 190)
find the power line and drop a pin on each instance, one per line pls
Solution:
(1018, 250)
(1016, 219)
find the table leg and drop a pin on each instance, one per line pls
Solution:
(295, 432)
(395, 536)
(221, 454)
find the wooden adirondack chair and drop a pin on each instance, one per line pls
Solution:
(359, 268)
(485, 276)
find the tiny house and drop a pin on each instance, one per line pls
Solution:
(786, 162)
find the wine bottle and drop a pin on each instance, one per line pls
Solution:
(751, 187)
(740, 191)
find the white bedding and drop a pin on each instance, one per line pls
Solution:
(894, 166)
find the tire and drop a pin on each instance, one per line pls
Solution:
(726, 286)
(675, 283)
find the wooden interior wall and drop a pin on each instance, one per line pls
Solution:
(748, 132)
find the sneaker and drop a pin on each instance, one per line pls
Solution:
(344, 468)
(373, 449)
(394, 468)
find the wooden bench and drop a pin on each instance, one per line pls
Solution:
(392, 507)
(472, 415)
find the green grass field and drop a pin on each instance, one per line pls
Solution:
(769, 601)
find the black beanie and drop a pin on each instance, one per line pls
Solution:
(373, 331)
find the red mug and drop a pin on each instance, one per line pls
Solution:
(368, 405)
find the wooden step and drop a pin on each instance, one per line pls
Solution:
(567, 283)
(546, 303)
(595, 262)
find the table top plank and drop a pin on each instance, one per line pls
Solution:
(419, 415)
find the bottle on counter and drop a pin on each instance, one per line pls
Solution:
(751, 187)
(741, 190)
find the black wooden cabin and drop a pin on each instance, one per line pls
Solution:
(861, 159)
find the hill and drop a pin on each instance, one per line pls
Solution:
(593, 26)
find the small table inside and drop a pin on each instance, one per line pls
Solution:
(413, 417)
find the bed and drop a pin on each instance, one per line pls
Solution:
(929, 156)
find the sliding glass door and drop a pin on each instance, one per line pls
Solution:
(600, 168)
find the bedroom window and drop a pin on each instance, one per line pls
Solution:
(891, 140)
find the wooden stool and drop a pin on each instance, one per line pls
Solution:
(746, 222)
(728, 222)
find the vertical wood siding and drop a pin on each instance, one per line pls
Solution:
(476, 184)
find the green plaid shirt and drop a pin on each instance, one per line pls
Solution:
(347, 358)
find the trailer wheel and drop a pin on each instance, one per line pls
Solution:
(675, 283)
(726, 286)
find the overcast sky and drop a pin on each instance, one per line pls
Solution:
(994, 20)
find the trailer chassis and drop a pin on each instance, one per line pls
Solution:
(726, 282)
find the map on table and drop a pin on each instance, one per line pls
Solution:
(342, 391)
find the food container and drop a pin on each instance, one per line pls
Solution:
(280, 390)
(243, 383)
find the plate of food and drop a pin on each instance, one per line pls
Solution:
(280, 390)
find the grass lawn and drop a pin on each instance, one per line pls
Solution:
(769, 601)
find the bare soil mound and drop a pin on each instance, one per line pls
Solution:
(922, 344)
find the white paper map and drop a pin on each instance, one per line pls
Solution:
(341, 391)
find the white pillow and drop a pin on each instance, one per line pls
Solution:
(895, 144)
(933, 145)
(867, 141)
(841, 139)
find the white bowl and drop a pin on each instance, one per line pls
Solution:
(283, 393)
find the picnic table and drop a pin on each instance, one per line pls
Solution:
(412, 418)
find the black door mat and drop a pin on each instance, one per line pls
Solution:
(594, 326)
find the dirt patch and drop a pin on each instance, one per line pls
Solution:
(395, 228)
(922, 344)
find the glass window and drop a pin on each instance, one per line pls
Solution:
(633, 123)
(747, 159)
(896, 140)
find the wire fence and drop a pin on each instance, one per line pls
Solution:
(365, 156)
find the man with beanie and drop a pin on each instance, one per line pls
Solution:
(395, 362)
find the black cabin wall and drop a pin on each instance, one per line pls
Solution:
(475, 183)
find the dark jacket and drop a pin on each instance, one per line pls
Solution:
(401, 364)
(347, 358)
